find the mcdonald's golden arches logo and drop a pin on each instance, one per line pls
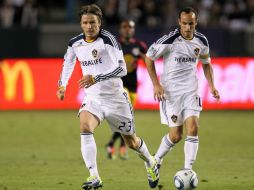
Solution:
(10, 77)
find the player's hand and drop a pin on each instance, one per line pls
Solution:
(60, 93)
(215, 94)
(158, 93)
(86, 81)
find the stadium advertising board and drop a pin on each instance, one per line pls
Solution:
(32, 84)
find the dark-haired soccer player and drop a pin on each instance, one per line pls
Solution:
(103, 65)
(177, 92)
(133, 50)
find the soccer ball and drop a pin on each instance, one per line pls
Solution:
(186, 180)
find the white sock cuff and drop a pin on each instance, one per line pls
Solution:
(193, 139)
(141, 144)
(167, 141)
(86, 138)
(87, 133)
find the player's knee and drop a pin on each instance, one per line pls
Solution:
(84, 127)
(192, 130)
(176, 137)
(131, 144)
(192, 126)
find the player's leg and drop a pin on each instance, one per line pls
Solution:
(123, 151)
(140, 147)
(119, 114)
(170, 112)
(191, 141)
(137, 144)
(88, 123)
(168, 142)
(90, 117)
(193, 105)
(128, 131)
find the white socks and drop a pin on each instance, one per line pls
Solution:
(190, 151)
(89, 152)
(165, 146)
(144, 153)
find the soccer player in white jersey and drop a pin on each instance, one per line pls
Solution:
(177, 91)
(102, 64)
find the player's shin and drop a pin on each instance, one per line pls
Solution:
(89, 152)
(150, 164)
(165, 146)
(144, 153)
(190, 150)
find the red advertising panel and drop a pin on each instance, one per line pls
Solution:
(32, 84)
(234, 78)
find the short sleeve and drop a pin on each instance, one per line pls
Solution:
(156, 51)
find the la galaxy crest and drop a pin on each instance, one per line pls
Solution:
(174, 118)
(196, 51)
(95, 53)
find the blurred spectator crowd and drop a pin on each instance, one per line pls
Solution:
(235, 14)
(18, 12)
(164, 13)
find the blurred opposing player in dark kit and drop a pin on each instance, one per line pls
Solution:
(133, 50)
(177, 91)
(102, 63)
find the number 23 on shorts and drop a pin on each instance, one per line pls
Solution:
(125, 126)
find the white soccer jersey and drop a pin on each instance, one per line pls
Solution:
(180, 58)
(102, 58)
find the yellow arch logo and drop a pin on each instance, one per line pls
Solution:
(10, 77)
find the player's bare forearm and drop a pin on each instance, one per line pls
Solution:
(151, 70)
(158, 89)
(208, 71)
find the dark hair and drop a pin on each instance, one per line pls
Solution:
(90, 9)
(188, 10)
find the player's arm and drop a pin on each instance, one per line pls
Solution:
(68, 66)
(208, 71)
(158, 90)
(154, 52)
(117, 71)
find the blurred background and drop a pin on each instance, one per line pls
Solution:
(45, 26)
(34, 35)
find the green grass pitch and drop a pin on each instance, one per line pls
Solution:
(41, 150)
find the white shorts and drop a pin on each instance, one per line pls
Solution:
(117, 111)
(177, 109)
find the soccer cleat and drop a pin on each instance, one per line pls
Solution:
(92, 182)
(152, 174)
(159, 163)
(111, 152)
(123, 154)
